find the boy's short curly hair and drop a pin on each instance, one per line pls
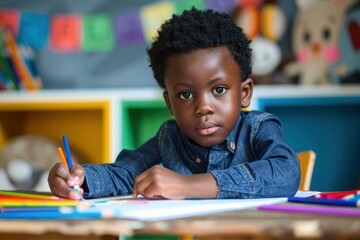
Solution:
(194, 30)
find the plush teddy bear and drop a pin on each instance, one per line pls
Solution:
(315, 39)
(25, 162)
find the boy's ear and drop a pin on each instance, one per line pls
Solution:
(246, 92)
(167, 100)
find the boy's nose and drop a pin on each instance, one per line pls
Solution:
(204, 106)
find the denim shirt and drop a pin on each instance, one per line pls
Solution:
(253, 161)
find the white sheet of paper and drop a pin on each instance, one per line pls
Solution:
(155, 210)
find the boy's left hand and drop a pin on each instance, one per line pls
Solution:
(161, 183)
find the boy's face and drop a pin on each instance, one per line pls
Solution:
(205, 94)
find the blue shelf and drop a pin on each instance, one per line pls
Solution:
(331, 127)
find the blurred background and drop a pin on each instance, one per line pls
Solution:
(101, 44)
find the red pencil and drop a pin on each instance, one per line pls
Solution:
(336, 195)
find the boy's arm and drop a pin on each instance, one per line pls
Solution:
(274, 173)
(118, 178)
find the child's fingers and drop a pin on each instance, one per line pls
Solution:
(61, 171)
(135, 193)
(141, 176)
(144, 186)
(60, 182)
(139, 184)
(77, 175)
(75, 181)
(56, 173)
(60, 188)
(152, 192)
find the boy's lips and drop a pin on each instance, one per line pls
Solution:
(206, 128)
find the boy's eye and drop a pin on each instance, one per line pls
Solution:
(219, 90)
(185, 95)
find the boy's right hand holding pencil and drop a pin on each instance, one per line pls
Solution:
(65, 178)
(62, 181)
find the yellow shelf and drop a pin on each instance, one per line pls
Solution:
(86, 123)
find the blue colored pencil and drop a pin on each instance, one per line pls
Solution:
(326, 201)
(67, 152)
(52, 214)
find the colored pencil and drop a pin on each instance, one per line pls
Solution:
(63, 158)
(336, 195)
(68, 154)
(36, 203)
(20, 198)
(28, 209)
(28, 195)
(61, 213)
(326, 201)
(352, 197)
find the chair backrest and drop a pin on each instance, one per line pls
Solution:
(307, 161)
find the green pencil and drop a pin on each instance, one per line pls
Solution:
(21, 194)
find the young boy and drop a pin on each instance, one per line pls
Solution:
(212, 149)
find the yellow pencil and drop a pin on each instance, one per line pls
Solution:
(62, 156)
(35, 203)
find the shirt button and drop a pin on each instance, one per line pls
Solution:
(232, 146)
(197, 160)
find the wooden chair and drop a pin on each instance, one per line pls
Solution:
(307, 161)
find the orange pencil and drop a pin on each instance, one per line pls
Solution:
(62, 156)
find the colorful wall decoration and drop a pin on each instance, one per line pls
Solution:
(96, 32)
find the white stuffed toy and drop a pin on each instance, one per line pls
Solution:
(25, 162)
(315, 39)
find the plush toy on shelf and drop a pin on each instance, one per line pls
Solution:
(25, 162)
(315, 39)
(347, 68)
(264, 23)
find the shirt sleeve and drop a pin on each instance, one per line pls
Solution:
(274, 171)
(118, 178)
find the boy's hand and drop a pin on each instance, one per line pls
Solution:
(160, 183)
(61, 180)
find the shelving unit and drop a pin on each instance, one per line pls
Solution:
(85, 122)
(100, 123)
(326, 121)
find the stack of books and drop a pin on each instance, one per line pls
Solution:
(18, 68)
